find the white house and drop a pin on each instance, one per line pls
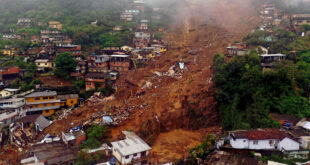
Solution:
(131, 150)
(14, 104)
(7, 92)
(265, 139)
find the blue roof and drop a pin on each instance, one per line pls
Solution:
(107, 119)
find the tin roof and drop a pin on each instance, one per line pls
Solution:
(40, 94)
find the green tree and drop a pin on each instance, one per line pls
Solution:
(95, 135)
(65, 64)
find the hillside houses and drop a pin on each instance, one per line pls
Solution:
(300, 19)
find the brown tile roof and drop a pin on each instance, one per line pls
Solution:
(293, 119)
(10, 70)
(262, 134)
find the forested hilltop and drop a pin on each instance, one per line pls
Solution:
(76, 17)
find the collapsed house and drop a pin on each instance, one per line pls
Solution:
(50, 153)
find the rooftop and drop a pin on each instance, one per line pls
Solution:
(40, 94)
(273, 55)
(53, 153)
(260, 134)
(131, 145)
(66, 97)
(11, 89)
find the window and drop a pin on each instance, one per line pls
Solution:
(135, 155)
(51, 97)
(45, 98)
(255, 142)
(37, 98)
(126, 157)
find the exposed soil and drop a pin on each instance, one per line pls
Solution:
(53, 81)
(176, 113)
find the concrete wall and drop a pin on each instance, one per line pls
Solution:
(288, 144)
(262, 144)
(239, 143)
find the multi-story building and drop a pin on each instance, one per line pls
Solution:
(44, 65)
(68, 100)
(45, 103)
(10, 110)
(80, 70)
(55, 25)
(95, 80)
(98, 63)
(75, 50)
(120, 63)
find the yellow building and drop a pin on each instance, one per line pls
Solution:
(55, 25)
(45, 103)
(9, 52)
(44, 64)
(68, 100)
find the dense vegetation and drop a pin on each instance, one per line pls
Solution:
(76, 17)
(64, 65)
(246, 95)
(96, 134)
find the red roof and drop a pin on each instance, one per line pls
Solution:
(10, 70)
(262, 134)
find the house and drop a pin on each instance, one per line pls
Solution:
(133, 12)
(110, 50)
(50, 154)
(300, 19)
(7, 92)
(93, 80)
(9, 51)
(24, 22)
(159, 48)
(15, 105)
(302, 135)
(263, 139)
(127, 48)
(69, 100)
(80, 70)
(44, 65)
(269, 59)
(144, 25)
(143, 35)
(36, 122)
(74, 138)
(55, 25)
(117, 28)
(120, 63)
(9, 74)
(45, 103)
(126, 16)
(9, 36)
(98, 63)
(131, 150)
(75, 50)
(238, 49)
(7, 118)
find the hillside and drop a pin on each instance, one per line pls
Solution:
(180, 106)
